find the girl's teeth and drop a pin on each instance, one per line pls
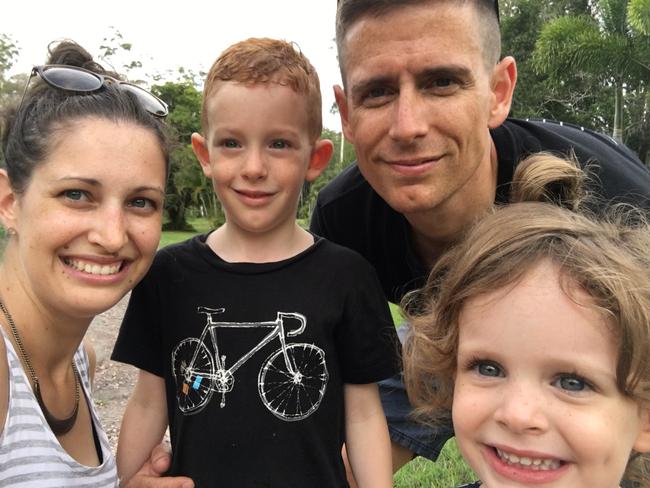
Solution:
(526, 462)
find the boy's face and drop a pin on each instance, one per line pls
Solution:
(258, 153)
(535, 399)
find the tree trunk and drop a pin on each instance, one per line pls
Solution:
(617, 133)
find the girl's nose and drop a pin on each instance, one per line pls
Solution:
(522, 409)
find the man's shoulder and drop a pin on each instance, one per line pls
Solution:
(617, 171)
(534, 135)
(348, 184)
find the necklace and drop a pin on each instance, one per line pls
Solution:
(58, 426)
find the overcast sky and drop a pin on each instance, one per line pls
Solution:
(168, 34)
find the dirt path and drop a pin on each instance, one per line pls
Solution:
(113, 381)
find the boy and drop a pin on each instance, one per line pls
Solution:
(260, 342)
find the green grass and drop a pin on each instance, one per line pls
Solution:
(448, 471)
(171, 236)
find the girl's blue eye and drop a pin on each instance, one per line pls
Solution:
(489, 369)
(572, 383)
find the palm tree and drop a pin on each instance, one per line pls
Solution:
(613, 45)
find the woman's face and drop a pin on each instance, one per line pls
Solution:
(88, 224)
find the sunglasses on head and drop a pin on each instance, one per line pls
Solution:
(80, 80)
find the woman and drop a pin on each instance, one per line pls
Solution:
(81, 199)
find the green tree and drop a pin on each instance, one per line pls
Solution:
(8, 85)
(609, 46)
(582, 99)
(187, 188)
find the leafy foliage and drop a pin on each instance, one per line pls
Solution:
(576, 63)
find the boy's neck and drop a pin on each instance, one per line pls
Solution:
(236, 246)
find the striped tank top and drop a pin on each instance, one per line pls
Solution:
(30, 453)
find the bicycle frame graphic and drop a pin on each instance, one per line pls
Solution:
(291, 382)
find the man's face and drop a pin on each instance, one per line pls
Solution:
(418, 105)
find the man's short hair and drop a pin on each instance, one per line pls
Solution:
(264, 60)
(349, 12)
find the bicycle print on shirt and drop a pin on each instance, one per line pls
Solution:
(291, 382)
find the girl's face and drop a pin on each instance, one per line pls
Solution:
(89, 221)
(535, 400)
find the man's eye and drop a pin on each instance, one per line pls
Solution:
(572, 383)
(377, 92)
(443, 82)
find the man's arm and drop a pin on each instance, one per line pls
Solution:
(143, 425)
(366, 433)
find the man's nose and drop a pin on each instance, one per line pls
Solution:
(409, 117)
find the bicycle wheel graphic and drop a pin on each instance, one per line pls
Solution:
(193, 379)
(294, 396)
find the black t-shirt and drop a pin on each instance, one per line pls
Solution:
(349, 212)
(243, 412)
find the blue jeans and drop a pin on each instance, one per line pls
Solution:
(422, 440)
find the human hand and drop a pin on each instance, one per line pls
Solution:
(150, 474)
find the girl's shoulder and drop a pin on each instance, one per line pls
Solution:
(476, 484)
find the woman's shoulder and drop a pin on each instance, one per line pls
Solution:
(4, 383)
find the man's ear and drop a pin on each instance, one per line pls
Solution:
(342, 103)
(8, 202)
(320, 157)
(642, 443)
(504, 79)
(199, 145)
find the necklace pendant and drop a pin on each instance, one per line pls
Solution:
(58, 426)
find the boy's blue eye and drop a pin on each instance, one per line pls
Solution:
(279, 144)
(230, 143)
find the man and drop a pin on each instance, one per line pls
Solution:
(425, 100)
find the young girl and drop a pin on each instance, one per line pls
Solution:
(81, 199)
(536, 332)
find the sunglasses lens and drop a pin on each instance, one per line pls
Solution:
(150, 103)
(71, 79)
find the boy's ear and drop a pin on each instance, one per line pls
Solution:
(642, 443)
(8, 202)
(320, 157)
(504, 79)
(342, 103)
(199, 145)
